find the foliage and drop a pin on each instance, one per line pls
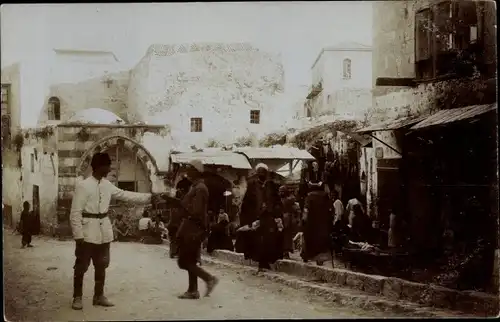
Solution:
(273, 139)
(244, 141)
(213, 143)
(311, 135)
(83, 134)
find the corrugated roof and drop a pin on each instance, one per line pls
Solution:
(392, 124)
(222, 158)
(454, 115)
(279, 153)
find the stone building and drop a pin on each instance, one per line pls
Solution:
(433, 119)
(336, 104)
(203, 92)
(341, 81)
(42, 164)
(207, 91)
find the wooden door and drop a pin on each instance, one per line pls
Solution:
(36, 210)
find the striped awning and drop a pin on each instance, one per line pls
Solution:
(454, 115)
(220, 158)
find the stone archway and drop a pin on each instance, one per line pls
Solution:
(118, 140)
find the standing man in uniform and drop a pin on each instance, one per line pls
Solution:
(91, 226)
(193, 231)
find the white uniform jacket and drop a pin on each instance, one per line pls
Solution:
(93, 196)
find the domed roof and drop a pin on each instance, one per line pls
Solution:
(96, 116)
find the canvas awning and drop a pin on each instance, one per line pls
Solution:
(454, 115)
(392, 124)
(277, 153)
(220, 158)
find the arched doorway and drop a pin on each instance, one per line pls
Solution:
(132, 167)
(117, 146)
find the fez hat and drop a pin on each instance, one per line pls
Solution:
(100, 159)
(198, 165)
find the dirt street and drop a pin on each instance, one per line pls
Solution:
(143, 283)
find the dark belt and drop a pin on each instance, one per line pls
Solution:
(95, 216)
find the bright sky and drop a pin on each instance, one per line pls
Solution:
(296, 29)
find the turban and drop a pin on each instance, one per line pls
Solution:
(262, 166)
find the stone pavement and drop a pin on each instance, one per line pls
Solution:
(143, 282)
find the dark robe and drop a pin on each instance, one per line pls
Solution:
(192, 230)
(173, 225)
(315, 176)
(269, 238)
(251, 208)
(219, 237)
(291, 220)
(318, 225)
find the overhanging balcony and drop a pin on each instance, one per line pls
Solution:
(314, 90)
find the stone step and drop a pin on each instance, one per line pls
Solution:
(391, 288)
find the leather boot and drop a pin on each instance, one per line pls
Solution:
(190, 296)
(102, 301)
(77, 303)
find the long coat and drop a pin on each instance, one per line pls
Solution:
(253, 201)
(269, 238)
(251, 208)
(291, 220)
(195, 203)
(318, 225)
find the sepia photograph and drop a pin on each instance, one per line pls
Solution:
(315, 160)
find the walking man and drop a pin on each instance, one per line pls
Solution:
(91, 226)
(193, 231)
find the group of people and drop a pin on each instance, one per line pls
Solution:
(272, 220)
(269, 219)
(93, 231)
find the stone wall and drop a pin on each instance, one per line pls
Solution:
(12, 75)
(92, 93)
(76, 141)
(219, 82)
(37, 167)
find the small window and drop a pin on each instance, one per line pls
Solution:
(255, 116)
(32, 163)
(346, 69)
(196, 124)
(5, 98)
(54, 109)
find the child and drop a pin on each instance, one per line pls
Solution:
(26, 225)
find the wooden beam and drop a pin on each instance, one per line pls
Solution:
(392, 81)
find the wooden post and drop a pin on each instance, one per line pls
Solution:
(135, 172)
